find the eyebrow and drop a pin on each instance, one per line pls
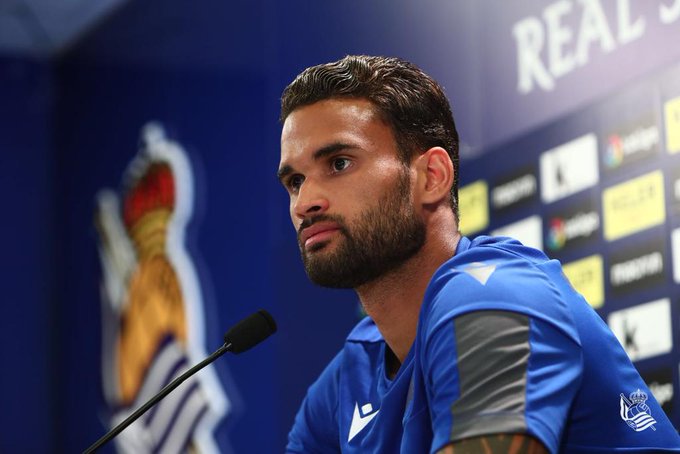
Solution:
(322, 152)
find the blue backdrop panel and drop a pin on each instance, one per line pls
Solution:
(26, 188)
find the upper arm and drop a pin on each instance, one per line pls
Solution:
(499, 372)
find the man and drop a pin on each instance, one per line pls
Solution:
(469, 345)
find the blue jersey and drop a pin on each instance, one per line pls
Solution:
(504, 345)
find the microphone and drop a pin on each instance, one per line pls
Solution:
(250, 331)
(241, 337)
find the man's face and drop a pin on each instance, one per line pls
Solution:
(350, 194)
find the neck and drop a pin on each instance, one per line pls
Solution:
(393, 301)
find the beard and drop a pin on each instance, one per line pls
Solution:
(382, 238)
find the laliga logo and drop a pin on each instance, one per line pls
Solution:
(641, 140)
(152, 307)
(614, 154)
(635, 412)
(580, 225)
(557, 236)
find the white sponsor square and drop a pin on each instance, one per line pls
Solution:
(569, 168)
(528, 231)
(644, 330)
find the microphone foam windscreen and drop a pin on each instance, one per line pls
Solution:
(250, 331)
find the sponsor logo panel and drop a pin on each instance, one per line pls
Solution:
(527, 231)
(638, 267)
(674, 175)
(672, 117)
(473, 202)
(631, 144)
(577, 225)
(644, 331)
(569, 168)
(675, 246)
(511, 191)
(660, 383)
(587, 277)
(633, 206)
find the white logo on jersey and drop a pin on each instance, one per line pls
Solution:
(480, 271)
(635, 411)
(361, 419)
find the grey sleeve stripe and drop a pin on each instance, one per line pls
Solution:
(493, 353)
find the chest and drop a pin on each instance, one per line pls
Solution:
(376, 414)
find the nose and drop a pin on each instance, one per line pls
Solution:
(309, 200)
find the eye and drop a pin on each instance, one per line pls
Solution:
(340, 164)
(294, 182)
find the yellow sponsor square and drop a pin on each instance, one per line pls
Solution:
(672, 116)
(633, 205)
(587, 277)
(473, 202)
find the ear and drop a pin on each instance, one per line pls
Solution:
(435, 175)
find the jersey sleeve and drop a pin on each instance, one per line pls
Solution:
(493, 372)
(315, 429)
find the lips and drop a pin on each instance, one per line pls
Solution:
(317, 232)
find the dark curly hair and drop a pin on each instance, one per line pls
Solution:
(407, 99)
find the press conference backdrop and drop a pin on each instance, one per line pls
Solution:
(164, 117)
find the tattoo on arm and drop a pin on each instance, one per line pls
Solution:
(493, 444)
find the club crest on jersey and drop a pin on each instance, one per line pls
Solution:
(152, 308)
(635, 412)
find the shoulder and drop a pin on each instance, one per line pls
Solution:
(317, 421)
(491, 271)
(365, 333)
(499, 274)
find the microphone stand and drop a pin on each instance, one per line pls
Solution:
(151, 402)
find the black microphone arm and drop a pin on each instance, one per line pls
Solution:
(241, 337)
